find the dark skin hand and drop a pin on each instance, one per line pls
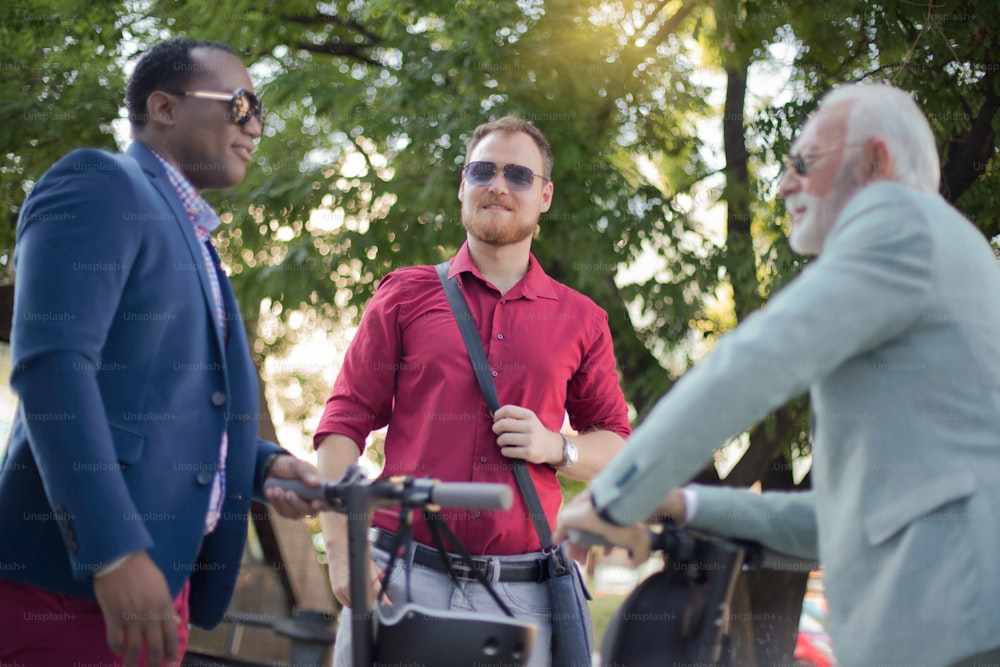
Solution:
(138, 609)
(287, 503)
(134, 598)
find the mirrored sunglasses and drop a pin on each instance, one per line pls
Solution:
(517, 177)
(242, 104)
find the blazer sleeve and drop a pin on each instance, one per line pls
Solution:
(76, 244)
(265, 451)
(784, 521)
(871, 283)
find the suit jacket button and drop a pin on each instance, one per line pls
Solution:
(218, 399)
(204, 477)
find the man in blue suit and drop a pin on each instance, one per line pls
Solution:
(895, 332)
(134, 455)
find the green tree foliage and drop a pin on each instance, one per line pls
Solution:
(657, 111)
(371, 104)
(58, 62)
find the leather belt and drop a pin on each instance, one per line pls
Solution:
(510, 571)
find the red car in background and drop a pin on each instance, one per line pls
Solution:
(813, 647)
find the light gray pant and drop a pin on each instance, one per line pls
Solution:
(429, 588)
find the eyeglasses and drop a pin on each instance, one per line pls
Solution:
(801, 164)
(518, 178)
(242, 103)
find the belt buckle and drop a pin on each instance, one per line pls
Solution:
(463, 571)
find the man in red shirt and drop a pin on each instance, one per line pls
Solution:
(550, 355)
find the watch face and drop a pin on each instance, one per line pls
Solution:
(570, 453)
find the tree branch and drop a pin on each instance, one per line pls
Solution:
(355, 51)
(966, 156)
(673, 23)
(652, 17)
(371, 38)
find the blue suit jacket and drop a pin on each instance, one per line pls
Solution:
(895, 333)
(126, 384)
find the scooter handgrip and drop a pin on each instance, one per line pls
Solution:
(303, 490)
(586, 539)
(472, 495)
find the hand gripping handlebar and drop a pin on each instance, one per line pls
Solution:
(675, 542)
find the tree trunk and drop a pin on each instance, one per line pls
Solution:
(776, 595)
(767, 604)
(287, 543)
(966, 156)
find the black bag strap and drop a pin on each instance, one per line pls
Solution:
(474, 346)
(402, 543)
(439, 529)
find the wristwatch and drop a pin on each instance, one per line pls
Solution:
(570, 454)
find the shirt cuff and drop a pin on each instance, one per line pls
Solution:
(112, 566)
(690, 503)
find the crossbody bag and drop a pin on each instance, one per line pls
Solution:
(572, 628)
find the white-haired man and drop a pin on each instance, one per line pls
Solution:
(895, 334)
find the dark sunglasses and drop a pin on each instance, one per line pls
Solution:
(517, 177)
(242, 103)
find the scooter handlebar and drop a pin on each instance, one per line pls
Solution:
(472, 495)
(301, 489)
(465, 495)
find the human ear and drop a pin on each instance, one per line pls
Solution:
(878, 161)
(547, 196)
(160, 108)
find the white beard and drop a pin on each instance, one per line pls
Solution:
(809, 233)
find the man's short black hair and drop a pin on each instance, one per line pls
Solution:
(167, 66)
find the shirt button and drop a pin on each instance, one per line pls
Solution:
(494, 373)
(204, 477)
(218, 399)
(499, 336)
(482, 459)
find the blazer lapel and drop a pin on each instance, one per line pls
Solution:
(158, 178)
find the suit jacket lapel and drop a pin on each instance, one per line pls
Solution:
(158, 178)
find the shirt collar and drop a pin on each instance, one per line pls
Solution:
(535, 283)
(196, 207)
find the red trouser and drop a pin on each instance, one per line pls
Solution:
(45, 629)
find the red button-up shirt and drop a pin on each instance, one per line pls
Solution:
(549, 350)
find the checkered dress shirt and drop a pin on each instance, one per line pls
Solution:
(205, 221)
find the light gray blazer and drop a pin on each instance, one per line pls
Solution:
(895, 332)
